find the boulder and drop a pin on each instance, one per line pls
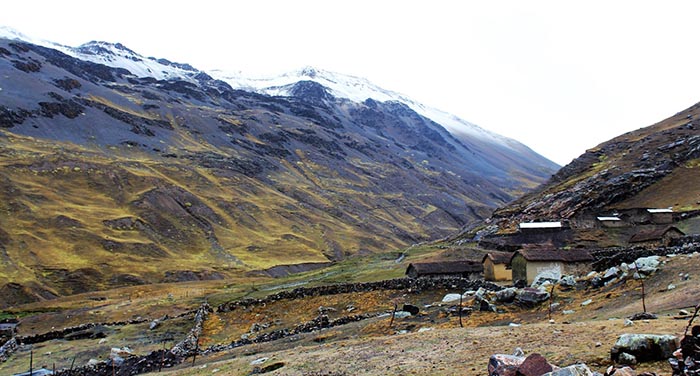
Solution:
(531, 297)
(610, 274)
(506, 295)
(597, 281)
(485, 306)
(482, 304)
(480, 293)
(534, 365)
(567, 281)
(646, 265)
(413, 310)
(575, 370)
(504, 365)
(451, 298)
(645, 347)
(552, 275)
(643, 316)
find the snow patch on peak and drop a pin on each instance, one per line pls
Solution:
(357, 89)
(119, 56)
(114, 55)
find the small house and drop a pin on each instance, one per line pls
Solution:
(657, 236)
(661, 216)
(445, 269)
(646, 216)
(526, 264)
(611, 221)
(497, 266)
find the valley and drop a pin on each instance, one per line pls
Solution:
(155, 218)
(430, 342)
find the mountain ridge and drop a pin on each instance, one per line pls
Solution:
(340, 85)
(109, 179)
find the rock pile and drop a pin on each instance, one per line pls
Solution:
(637, 268)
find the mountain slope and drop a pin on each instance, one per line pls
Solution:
(653, 167)
(112, 179)
(503, 152)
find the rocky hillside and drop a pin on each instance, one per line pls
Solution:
(653, 167)
(112, 179)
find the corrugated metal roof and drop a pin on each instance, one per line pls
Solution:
(609, 219)
(573, 255)
(667, 210)
(540, 225)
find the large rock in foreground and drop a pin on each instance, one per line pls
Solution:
(645, 347)
(504, 365)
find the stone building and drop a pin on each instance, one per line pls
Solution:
(497, 266)
(655, 237)
(526, 264)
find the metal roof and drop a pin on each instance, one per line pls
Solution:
(609, 219)
(667, 210)
(540, 225)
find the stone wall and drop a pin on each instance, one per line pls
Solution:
(154, 361)
(609, 257)
(7, 349)
(416, 285)
(190, 345)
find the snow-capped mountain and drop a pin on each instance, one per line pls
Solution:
(114, 55)
(356, 89)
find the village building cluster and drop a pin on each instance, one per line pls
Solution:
(643, 227)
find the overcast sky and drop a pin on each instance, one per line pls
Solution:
(559, 76)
